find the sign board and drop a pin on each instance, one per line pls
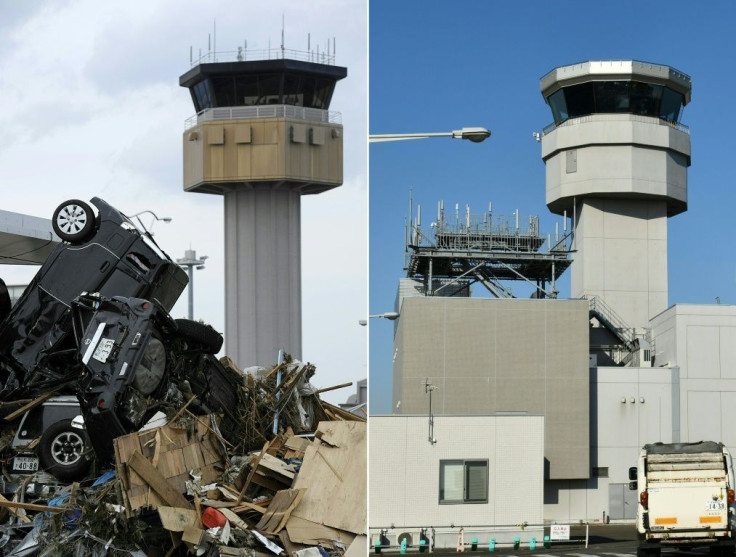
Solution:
(559, 532)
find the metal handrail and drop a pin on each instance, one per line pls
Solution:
(264, 111)
(616, 118)
(245, 55)
(599, 307)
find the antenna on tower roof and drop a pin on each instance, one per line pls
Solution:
(282, 35)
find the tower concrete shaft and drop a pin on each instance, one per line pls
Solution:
(262, 137)
(616, 161)
(263, 235)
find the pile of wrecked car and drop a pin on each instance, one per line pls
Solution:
(121, 431)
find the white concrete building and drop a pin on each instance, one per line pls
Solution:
(483, 474)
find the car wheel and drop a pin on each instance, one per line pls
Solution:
(201, 334)
(62, 451)
(73, 221)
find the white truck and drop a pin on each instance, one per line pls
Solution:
(686, 497)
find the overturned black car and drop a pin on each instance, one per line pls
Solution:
(94, 323)
(135, 359)
(103, 252)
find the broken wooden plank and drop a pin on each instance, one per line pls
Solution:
(177, 520)
(157, 482)
(21, 515)
(253, 468)
(241, 507)
(23, 409)
(277, 466)
(283, 503)
(235, 520)
(308, 532)
(29, 506)
(334, 474)
(333, 388)
(359, 547)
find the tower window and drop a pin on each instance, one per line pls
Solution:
(615, 97)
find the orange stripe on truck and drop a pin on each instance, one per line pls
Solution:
(668, 520)
(708, 519)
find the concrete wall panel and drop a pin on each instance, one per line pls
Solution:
(487, 356)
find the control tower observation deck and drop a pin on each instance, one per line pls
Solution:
(616, 160)
(262, 137)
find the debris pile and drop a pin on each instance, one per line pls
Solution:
(216, 484)
(122, 433)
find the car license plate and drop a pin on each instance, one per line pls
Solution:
(103, 350)
(25, 464)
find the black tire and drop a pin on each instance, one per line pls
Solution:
(73, 221)
(4, 300)
(62, 451)
(201, 334)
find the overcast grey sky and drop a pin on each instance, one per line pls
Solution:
(91, 106)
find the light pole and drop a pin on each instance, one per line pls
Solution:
(476, 135)
(189, 262)
(155, 217)
(390, 315)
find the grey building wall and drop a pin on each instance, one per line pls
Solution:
(630, 407)
(487, 356)
(404, 476)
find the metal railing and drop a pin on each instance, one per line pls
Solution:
(623, 117)
(264, 111)
(245, 55)
(612, 319)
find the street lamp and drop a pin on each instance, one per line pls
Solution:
(189, 262)
(476, 135)
(155, 216)
(390, 315)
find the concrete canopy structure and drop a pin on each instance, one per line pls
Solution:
(262, 137)
(25, 240)
(616, 160)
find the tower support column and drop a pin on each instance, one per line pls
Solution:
(621, 256)
(262, 272)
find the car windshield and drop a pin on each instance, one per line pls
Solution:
(150, 370)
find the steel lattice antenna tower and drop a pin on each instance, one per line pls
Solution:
(263, 137)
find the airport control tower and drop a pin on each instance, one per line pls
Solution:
(616, 161)
(263, 136)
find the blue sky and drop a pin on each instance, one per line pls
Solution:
(438, 66)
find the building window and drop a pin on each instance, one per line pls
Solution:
(463, 481)
(601, 472)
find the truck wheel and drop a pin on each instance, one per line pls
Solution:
(62, 451)
(73, 221)
(201, 334)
